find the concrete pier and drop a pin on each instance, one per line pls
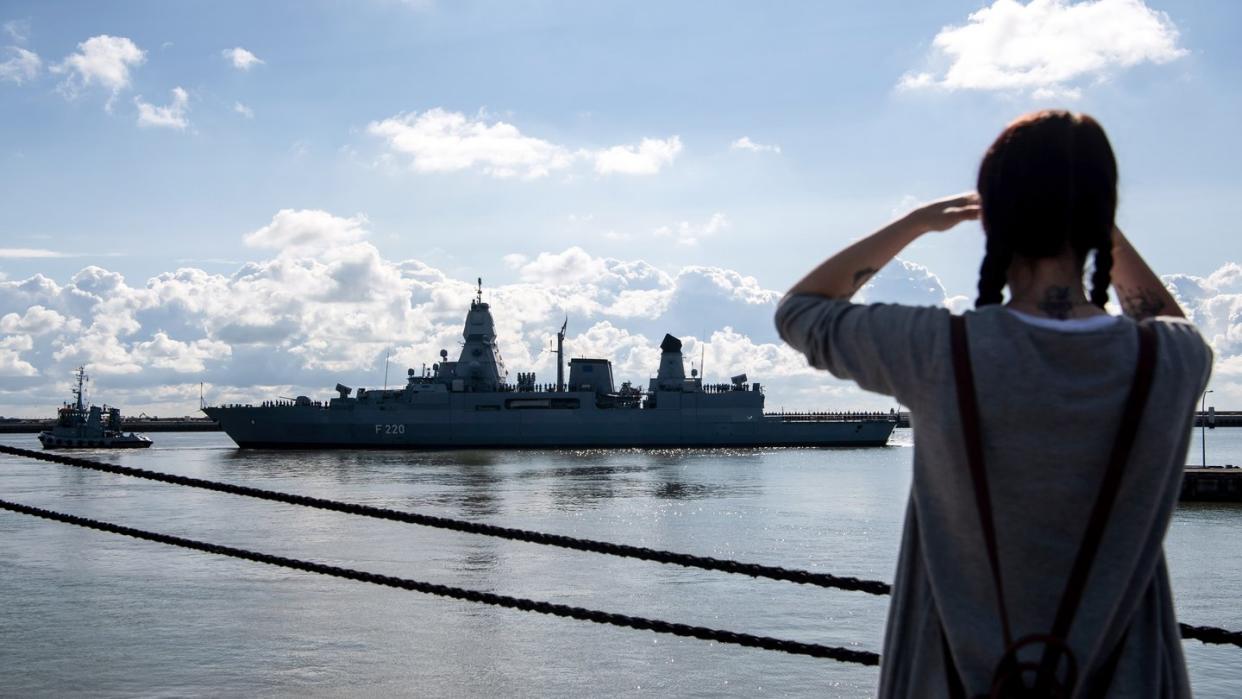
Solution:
(1214, 483)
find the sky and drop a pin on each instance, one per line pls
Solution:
(271, 197)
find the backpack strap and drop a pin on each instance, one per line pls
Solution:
(968, 409)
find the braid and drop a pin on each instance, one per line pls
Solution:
(1101, 275)
(994, 272)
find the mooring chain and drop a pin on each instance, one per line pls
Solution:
(814, 650)
(756, 570)
(1211, 634)
(1204, 634)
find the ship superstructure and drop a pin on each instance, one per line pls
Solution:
(470, 402)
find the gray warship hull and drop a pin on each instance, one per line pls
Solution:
(470, 403)
(469, 422)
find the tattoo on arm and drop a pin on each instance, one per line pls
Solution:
(862, 275)
(1140, 303)
(1057, 302)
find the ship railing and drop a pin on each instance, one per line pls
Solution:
(829, 416)
(728, 388)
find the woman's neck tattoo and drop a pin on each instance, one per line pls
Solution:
(1057, 302)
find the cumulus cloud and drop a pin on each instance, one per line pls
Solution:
(647, 158)
(438, 140)
(103, 60)
(1214, 303)
(172, 116)
(243, 110)
(241, 58)
(905, 282)
(687, 233)
(1046, 47)
(35, 321)
(442, 141)
(163, 352)
(307, 230)
(744, 143)
(22, 65)
(11, 363)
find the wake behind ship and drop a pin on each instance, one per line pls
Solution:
(470, 403)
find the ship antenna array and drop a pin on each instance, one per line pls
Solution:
(80, 391)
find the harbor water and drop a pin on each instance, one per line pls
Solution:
(89, 613)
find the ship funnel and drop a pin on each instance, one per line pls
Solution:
(672, 373)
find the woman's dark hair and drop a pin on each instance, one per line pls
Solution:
(1048, 183)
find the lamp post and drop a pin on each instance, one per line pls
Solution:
(1203, 425)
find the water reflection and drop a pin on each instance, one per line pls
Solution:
(472, 489)
(480, 561)
(679, 490)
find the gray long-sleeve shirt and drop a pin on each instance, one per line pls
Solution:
(1051, 402)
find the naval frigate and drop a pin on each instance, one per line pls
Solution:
(471, 403)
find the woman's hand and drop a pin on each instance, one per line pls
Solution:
(943, 214)
(843, 274)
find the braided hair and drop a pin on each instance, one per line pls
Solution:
(1047, 184)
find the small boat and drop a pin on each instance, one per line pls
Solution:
(79, 426)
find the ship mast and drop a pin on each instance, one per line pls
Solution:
(560, 356)
(77, 392)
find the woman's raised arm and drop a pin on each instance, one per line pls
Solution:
(843, 274)
(1140, 291)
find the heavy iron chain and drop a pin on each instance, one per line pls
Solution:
(814, 650)
(755, 570)
(1205, 634)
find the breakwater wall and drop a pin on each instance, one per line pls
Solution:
(1227, 418)
(154, 424)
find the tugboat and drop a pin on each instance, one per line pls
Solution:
(80, 427)
(472, 404)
